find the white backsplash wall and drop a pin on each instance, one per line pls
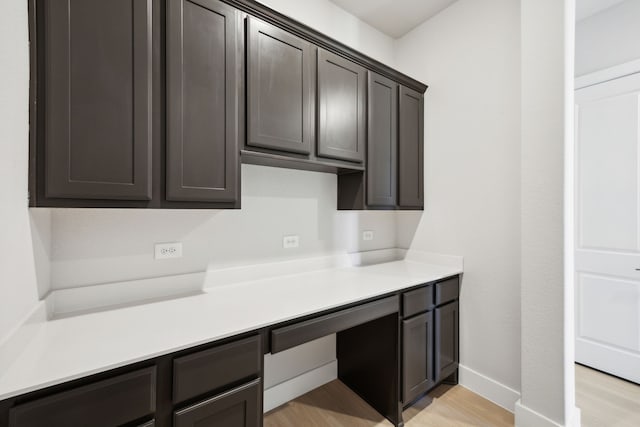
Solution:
(91, 246)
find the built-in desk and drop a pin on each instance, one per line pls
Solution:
(200, 358)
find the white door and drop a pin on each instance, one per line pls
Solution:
(608, 227)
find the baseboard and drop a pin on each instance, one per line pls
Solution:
(527, 417)
(488, 388)
(295, 387)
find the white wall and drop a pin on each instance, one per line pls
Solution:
(547, 389)
(18, 293)
(608, 38)
(91, 246)
(469, 55)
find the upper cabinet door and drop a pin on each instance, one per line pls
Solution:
(280, 89)
(202, 101)
(382, 142)
(341, 100)
(98, 99)
(411, 149)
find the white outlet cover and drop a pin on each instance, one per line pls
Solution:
(292, 241)
(367, 235)
(168, 250)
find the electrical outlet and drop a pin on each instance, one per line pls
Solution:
(367, 235)
(290, 241)
(168, 250)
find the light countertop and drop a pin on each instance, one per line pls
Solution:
(55, 351)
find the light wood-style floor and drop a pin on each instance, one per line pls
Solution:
(335, 405)
(606, 401)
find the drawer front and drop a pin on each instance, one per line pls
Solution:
(111, 402)
(216, 368)
(301, 332)
(414, 302)
(240, 407)
(151, 423)
(447, 290)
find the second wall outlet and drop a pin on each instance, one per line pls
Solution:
(367, 235)
(292, 241)
(168, 250)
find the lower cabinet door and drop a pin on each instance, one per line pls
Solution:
(446, 340)
(239, 407)
(417, 359)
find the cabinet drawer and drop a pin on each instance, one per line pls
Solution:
(414, 302)
(447, 290)
(239, 407)
(301, 332)
(213, 369)
(111, 402)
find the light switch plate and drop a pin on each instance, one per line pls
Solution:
(168, 250)
(291, 241)
(367, 235)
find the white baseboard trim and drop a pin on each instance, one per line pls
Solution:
(527, 417)
(488, 388)
(295, 387)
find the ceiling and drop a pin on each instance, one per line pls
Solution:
(586, 8)
(394, 17)
(397, 17)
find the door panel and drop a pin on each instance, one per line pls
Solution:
(411, 149)
(280, 89)
(607, 227)
(202, 150)
(341, 102)
(382, 142)
(608, 178)
(98, 99)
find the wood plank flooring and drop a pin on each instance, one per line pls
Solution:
(335, 405)
(606, 401)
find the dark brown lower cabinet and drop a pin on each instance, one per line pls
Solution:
(114, 401)
(446, 323)
(239, 407)
(430, 353)
(417, 356)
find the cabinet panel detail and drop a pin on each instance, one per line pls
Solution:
(216, 368)
(382, 142)
(97, 132)
(202, 149)
(341, 102)
(236, 408)
(411, 149)
(417, 361)
(446, 340)
(280, 89)
(111, 402)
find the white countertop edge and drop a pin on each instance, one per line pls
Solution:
(17, 343)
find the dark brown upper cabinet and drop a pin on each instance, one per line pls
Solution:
(202, 101)
(341, 103)
(280, 89)
(97, 115)
(411, 149)
(382, 144)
